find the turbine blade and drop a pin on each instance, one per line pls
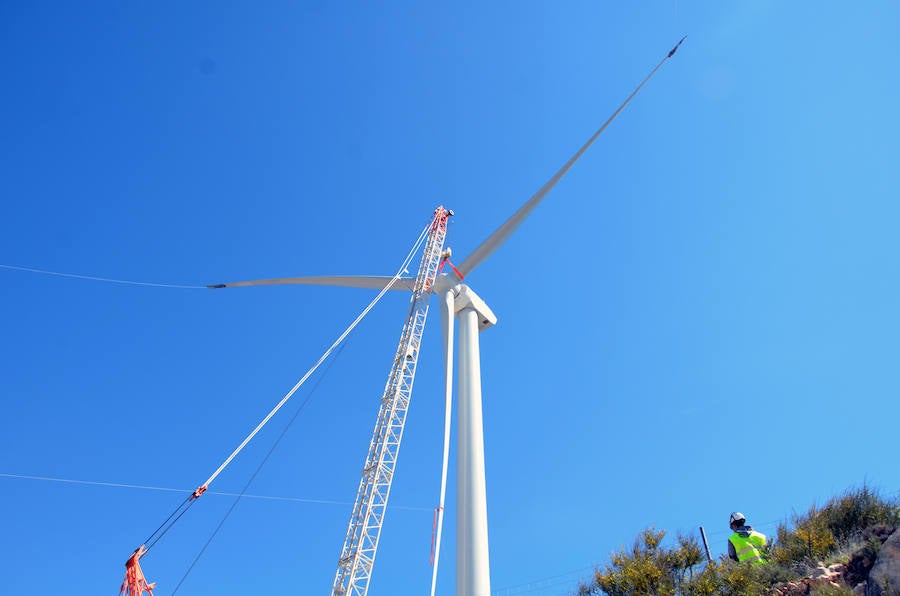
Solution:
(350, 281)
(493, 242)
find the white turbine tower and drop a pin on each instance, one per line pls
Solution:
(458, 302)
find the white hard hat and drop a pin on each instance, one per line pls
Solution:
(736, 516)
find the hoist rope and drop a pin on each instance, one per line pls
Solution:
(105, 279)
(189, 501)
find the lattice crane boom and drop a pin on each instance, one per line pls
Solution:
(358, 553)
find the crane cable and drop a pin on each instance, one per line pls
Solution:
(134, 576)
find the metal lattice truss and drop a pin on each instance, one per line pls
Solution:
(358, 555)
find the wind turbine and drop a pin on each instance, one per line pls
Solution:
(458, 302)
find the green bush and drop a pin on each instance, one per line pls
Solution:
(729, 578)
(648, 568)
(822, 530)
(854, 511)
(808, 541)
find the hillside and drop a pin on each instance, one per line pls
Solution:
(848, 546)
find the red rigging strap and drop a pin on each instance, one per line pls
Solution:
(456, 271)
(135, 584)
(446, 261)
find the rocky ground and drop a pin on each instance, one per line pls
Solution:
(870, 571)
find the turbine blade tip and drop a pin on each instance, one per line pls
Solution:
(675, 49)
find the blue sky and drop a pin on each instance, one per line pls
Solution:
(700, 318)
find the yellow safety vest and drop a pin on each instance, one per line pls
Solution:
(749, 549)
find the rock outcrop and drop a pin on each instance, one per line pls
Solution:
(884, 577)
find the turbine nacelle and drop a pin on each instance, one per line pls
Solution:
(462, 297)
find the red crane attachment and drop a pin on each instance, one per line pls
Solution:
(135, 584)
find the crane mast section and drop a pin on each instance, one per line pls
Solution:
(358, 553)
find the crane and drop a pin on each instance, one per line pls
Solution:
(358, 553)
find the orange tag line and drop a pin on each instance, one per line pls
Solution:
(434, 531)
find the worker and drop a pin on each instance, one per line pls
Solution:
(746, 545)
